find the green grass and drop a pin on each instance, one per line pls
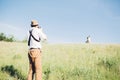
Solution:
(63, 61)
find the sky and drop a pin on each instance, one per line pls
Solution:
(63, 21)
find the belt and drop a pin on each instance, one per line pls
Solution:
(34, 48)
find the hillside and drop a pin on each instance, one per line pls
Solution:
(63, 61)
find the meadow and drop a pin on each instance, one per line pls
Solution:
(62, 61)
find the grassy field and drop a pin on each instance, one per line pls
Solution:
(62, 61)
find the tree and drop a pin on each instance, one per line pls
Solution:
(2, 36)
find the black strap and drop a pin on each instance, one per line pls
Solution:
(32, 37)
(29, 40)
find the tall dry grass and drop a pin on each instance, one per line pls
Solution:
(63, 61)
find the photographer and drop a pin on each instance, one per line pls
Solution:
(35, 36)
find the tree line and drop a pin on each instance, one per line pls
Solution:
(3, 37)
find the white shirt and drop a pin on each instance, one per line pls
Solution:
(37, 33)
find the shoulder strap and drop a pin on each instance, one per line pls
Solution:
(32, 37)
(29, 39)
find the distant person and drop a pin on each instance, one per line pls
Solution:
(88, 39)
(35, 36)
